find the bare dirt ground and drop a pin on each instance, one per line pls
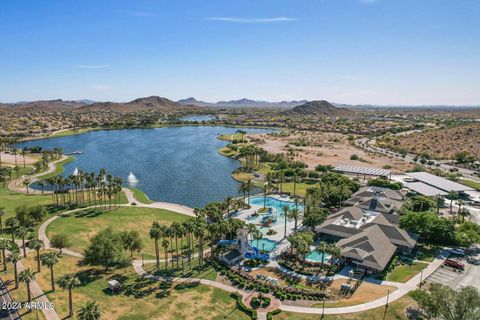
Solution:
(8, 158)
(327, 148)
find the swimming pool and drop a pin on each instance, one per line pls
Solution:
(274, 203)
(315, 256)
(264, 244)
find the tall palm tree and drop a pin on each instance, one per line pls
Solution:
(294, 214)
(200, 232)
(89, 311)
(322, 248)
(69, 282)
(36, 244)
(249, 187)
(2, 213)
(14, 257)
(12, 224)
(22, 232)
(156, 233)
(452, 195)
(165, 245)
(463, 212)
(285, 215)
(50, 259)
(41, 183)
(176, 234)
(4, 245)
(26, 276)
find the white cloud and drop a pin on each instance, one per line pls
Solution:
(252, 20)
(93, 66)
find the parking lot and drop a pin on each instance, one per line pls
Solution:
(455, 279)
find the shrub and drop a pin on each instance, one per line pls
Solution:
(354, 157)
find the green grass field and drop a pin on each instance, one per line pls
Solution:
(59, 168)
(404, 272)
(471, 183)
(141, 196)
(138, 299)
(82, 228)
(71, 132)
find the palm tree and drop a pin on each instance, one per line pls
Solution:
(14, 257)
(294, 214)
(41, 183)
(200, 232)
(249, 187)
(26, 276)
(2, 213)
(4, 245)
(12, 224)
(322, 248)
(156, 233)
(89, 311)
(285, 215)
(36, 244)
(176, 232)
(165, 245)
(22, 232)
(452, 195)
(463, 212)
(334, 251)
(50, 259)
(69, 282)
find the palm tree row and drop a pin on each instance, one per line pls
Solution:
(85, 188)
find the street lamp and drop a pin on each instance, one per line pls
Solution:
(323, 308)
(421, 277)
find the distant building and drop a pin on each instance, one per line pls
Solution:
(431, 185)
(377, 199)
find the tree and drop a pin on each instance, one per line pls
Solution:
(60, 241)
(285, 216)
(294, 214)
(463, 212)
(36, 244)
(22, 232)
(2, 213)
(14, 257)
(452, 195)
(4, 245)
(26, 276)
(105, 249)
(12, 224)
(131, 241)
(156, 232)
(89, 311)
(165, 245)
(69, 282)
(50, 259)
(315, 217)
(443, 302)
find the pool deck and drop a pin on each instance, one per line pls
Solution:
(279, 226)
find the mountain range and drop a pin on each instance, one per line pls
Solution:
(242, 103)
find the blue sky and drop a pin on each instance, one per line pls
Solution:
(348, 51)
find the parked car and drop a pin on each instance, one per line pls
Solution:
(458, 252)
(454, 264)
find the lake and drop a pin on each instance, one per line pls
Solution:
(173, 164)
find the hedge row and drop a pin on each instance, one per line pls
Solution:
(240, 305)
(272, 313)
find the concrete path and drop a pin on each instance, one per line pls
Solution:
(17, 186)
(159, 205)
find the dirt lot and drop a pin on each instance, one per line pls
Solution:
(327, 148)
(8, 158)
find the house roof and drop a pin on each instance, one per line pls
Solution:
(397, 236)
(371, 248)
(380, 205)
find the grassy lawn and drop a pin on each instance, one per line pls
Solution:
(395, 311)
(230, 137)
(59, 169)
(205, 272)
(404, 272)
(141, 196)
(227, 152)
(471, 183)
(70, 132)
(140, 298)
(11, 200)
(82, 228)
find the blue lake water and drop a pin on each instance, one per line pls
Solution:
(173, 164)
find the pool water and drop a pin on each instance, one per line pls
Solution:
(318, 257)
(264, 244)
(275, 204)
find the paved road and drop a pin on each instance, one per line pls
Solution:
(5, 298)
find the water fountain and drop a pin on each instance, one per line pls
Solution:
(132, 180)
(75, 172)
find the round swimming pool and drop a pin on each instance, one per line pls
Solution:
(264, 244)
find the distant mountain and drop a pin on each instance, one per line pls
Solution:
(320, 107)
(86, 101)
(242, 103)
(141, 104)
(42, 105)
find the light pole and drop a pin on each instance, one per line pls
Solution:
(323, 308)
(143, 260)
(386, 305)
(421, 278)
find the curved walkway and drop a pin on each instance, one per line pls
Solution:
(159, 205)
(15, 185)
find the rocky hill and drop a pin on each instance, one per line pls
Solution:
(321, 108)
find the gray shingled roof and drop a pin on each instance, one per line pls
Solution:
(371, 248)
